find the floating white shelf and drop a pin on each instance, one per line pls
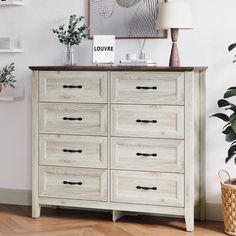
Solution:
(11, 94)
(12, 3)
(8, 45)
(13, 50)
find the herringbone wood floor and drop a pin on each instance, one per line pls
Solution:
(16, 220)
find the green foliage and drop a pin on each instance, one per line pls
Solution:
(74, 34)
(231, 47)
(229, 130)
(6, 76)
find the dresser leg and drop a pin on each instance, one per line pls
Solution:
(116, 215)
(189, 221)
(36, 209)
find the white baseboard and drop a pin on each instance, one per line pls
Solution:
(23, 197)
(15, 197)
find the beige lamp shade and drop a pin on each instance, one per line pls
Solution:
(174, 15)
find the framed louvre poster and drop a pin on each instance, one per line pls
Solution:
(126, 19)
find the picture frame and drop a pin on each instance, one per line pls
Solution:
(103, 49)
(126, 19)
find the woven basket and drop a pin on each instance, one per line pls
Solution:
(228, 195)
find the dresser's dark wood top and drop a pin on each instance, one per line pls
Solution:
(115, 68)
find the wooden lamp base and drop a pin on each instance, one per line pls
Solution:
(174, 56)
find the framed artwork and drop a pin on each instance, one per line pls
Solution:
(104, 49)
(126, 19)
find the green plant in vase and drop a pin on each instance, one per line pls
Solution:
(6, 76)
(228, 186)
(71, 36)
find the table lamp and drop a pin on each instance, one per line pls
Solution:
(174, 16)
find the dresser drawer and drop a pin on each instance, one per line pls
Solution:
(147, 88)
(72, 86)
(147, 155)
(73, 183)
(73, 119)
(147, 121)
(148, 188)
(74, 151)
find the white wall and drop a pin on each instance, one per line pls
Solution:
(206, 45)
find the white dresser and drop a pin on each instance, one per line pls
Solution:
(121, 139)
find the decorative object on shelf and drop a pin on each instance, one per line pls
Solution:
(137, 59)
(141, 47)
(12, 94)
(6, 76)
(11, 2)
(71, 36)
(8, 45)
(137, 18)
(104, 49)
(174, 16)
(137, 62)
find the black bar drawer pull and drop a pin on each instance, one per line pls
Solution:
(72, 183)
(146, 88)
(72, 151)
(73, 86)
(146, 121)
(72, 119)
(146, 154)
(146, 188)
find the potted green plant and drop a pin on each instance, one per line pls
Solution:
(228, 186)
(6, 76)
(71, 36)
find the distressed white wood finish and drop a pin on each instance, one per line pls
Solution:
(170, 88)
(201, 118)
(57, 150)
(94, 119)
(189, 150)
(126, 152)
(127, 207)
(35, 163)
(170, 188)
(111, 136)
(94, 183)
(94, 87)
(170, 121)
(116, 215)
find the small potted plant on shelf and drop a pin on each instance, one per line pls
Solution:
(71, 36)
(228, 187)
(6, 76)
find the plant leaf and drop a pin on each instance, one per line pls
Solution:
(232, 118)
(232, 150)
(227, 159)
(230, 137)
(228, 130)
(221, 116)
(233, 143)
(230, 93)
(223, 103)
(232, 108)
(231, 46)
